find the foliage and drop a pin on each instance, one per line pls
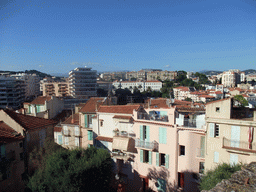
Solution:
(212, 177)
(188, 99)
(74, 170)
(202, 78)
(243, 102)
(102, 93)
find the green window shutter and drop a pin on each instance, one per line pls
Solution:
(141, 132)
(85, 121)
(90, 135)
(216, 157)
(160, 134)
(37, 108)
(29, 109)
(88, 146)
(148, 133)
(150, 157)
(161, 185)
(3, 152)
(163, 113)
(211, 129)
(202, 146)
(141, 156)
(167, 161)
(157, 159)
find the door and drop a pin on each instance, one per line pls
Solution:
(181, 180)
(235, 136)
(144, 184)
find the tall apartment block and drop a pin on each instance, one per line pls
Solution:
(12, 92)
(82, 83)
(232, 77)
(31, 81)
(55, 88)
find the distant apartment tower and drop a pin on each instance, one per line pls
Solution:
(12, 92)
(56, 88)
(82, 83)
(31, 82)
(232, 77)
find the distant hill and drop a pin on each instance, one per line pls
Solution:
(210, 72)
(249, 71)
(40, 74)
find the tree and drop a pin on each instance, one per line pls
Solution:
(188, 99)
(74, 170)
(243, 102)
(101, 92)
(212, 177)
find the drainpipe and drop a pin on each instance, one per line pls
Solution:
(176, 156)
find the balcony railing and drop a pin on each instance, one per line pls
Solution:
(153, 117)
(152, 145)
(193, 123)
(124, 134)
(239, 145)
(200, 152)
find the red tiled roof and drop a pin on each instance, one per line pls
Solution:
(124, 109)
(206, 96)
(75, 119)
(57, 129)
(182, 88)
(90, 105)
(29, 122)
(122, 117)
(102, 138)
(41, 100)
(157, 103)
(63, 115)
(7, 134)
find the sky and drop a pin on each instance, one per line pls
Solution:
(56, 36)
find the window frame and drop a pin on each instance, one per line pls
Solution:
(182, 150)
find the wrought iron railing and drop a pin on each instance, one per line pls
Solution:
(146, 144)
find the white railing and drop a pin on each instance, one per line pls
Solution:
(146, 144)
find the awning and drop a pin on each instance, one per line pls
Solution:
(121, 143)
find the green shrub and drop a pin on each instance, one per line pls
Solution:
(213, 177)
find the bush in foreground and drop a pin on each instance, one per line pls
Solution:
(213, 177)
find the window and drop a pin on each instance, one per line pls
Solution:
(21, 145)
(146, 156)
(65, 130)
(216, 131)
(182, 150)
(90, 135)
(21, 156)
(217, 109)
(144, 132)
(162, 159)
(101, 123)
(66, 140)
(77, 141)
(59, 139)
(181, 180)
(77, 131)
(201, 167)
(213, 130)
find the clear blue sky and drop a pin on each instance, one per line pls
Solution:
(55, 36)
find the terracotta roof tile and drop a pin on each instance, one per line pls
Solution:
(157, 103)
(75, 119)
(102, 138)
(57, 129)
(124, 109)
(90, 105)
(29, 122)
(218, 101)
(41, 100)
(7, 134)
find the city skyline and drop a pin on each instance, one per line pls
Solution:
(58, 36)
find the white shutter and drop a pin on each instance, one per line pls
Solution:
(211, 129)
(216, 157)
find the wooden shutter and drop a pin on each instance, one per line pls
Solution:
(211, 129)
(150, 157)
(167, 161)
(148, 133)
(85, 121)
(164, 135)
(157, 159)
(141, 132)
(216, 157)
(141, 156)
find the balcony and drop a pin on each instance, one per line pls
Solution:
(238, 145)
(153, 117)
(121, 155)
(192, 123)
(151, 145)
(123, 134)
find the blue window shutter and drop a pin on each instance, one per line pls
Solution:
(157, 159)
(167, 161)
(211, 129)
(141, 132)
(85, 121)
(164, 135)
(141, 156)
(150, 157)
(89, 135)
(216, 157)
(233, 159)
(148, 133)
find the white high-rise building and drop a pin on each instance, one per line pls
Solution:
(232, 77)
(82, 83)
